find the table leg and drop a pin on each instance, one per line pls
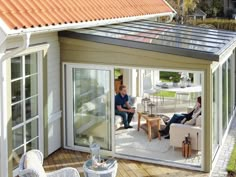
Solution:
(149, 130)
(158, 128)
(139, 118)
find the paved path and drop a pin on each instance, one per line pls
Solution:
(220, 168)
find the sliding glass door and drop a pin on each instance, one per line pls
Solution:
(223, 101)
(89, 106)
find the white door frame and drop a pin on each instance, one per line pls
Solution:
(113, 131)
(162, 162)
(68, 98)
(3, 123)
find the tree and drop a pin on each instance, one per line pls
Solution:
(183, 7)
(213, 8)
(217, 7)
(188, 5)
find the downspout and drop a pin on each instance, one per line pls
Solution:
(3, 57)
(171, 18)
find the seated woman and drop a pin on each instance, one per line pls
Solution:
(182, 118)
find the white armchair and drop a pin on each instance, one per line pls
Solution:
(31, 165)
(179, 131)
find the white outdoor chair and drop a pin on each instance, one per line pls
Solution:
(31, 165)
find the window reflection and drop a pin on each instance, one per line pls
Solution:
(16, 67)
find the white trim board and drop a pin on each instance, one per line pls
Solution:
(4, 144)
(55, 116)
(40, 57)
(81, 25)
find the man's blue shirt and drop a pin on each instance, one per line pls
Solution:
(120, 101)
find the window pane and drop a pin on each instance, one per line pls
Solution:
(32, 145)
(16, 156)
(31, 64)
(16, 67)
(215, 113)
(230, 108)
(92, 107)
(224, 96)
(17, 116)
(17, 137)
(16, 91)
(31, 107)
(31, 86)
(31, 130)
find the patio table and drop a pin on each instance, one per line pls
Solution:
(171, 88)
(149, 120)
(180, 91)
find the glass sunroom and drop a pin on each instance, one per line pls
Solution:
(90, 57)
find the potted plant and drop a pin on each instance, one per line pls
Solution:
(175, 79)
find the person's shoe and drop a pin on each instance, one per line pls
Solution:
(162, 132)
(130, 126)
(167, 137)
(126, 127)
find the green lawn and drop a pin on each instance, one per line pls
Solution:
(231, 168)
(165, 94)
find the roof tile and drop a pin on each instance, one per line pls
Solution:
(36, 13)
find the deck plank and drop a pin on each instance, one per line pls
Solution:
(126, 168)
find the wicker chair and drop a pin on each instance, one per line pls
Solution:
(29, 172)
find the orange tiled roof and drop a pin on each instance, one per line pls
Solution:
(37, 13)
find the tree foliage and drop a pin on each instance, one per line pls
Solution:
(189, 6)
(183, 7)
(212, 8)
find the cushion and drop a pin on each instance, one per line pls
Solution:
(131, 100)
(194, 121)
(118, 119)
(191, 122)
(199, 121)
(154, 130)
(32, 162)
(183, 121)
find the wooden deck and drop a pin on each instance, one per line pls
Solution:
(126, 168)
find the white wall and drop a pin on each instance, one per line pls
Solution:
(54, 108)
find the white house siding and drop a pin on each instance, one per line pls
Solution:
(54, 108)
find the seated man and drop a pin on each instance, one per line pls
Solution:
(182, 118)
(122, 107)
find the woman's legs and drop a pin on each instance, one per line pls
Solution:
(175, 119)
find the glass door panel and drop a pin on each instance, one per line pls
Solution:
(230, 90)
(92, 107)
(216, 113)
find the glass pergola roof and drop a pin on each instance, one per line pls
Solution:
(174, 39)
